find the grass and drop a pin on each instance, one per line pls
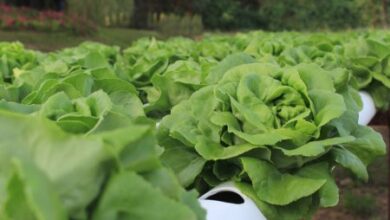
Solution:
(54, 41)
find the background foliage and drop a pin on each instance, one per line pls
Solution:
(271, 15)
(223, 14)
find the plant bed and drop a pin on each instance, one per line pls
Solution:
(381, 118)
(275, 119)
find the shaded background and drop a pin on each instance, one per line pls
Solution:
(224, 14)
(130, 19)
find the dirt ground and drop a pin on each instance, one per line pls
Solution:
(342, 213)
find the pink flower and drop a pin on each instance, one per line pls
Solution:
(5, 8)
(22, 19)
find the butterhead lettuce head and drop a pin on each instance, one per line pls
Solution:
(277, 132)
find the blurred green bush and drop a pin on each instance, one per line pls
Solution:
(291, 14)
(229, 14)
(307, 14)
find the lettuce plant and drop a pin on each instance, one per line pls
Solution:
(368, 58)
(276, 132)
(75, 144)
(51, 174)
(14, 60)
(364, 54)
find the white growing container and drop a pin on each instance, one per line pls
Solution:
(368, 111)
(223, 210)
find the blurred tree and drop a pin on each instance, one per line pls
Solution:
(375, 12)
(140, 15)
(385, 15)
(229, 14)
(308, 14)
(144, 8)
(265, 14)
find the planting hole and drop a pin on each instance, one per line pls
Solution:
(227, 196)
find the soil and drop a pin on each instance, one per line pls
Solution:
(381, 118)
(340, 212)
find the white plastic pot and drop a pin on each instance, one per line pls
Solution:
(226, 202)
(368, 111)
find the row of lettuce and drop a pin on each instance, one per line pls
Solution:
(93, 132)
